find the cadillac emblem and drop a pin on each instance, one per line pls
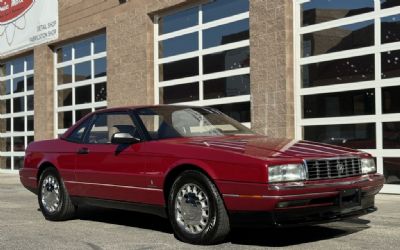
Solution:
(341, 168)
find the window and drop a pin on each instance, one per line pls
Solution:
(202, 56)
(17, 125)
(78, 133)
(319, 11)
(106, 125)
(347, 82)
(81, 85)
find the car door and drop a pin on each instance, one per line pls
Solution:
(110, 171)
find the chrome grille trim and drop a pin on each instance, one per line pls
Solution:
(331, 168)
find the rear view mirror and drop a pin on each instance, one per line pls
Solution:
(124, 138)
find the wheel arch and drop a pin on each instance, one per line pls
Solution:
(175, 171)
(43, 166)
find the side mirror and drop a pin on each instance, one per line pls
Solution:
(124, 138)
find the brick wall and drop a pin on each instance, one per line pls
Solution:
(129, 29)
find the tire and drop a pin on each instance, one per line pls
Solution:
(53, 198)
(196, 210)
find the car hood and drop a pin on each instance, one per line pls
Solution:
(266, 147)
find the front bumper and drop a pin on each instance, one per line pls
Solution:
(294, 204)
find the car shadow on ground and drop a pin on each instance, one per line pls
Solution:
(271, 237)
(281, 237)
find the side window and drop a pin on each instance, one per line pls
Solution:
(79, 132)
(106, 125)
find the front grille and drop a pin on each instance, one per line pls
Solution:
(333, 168)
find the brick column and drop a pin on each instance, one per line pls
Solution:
(44, 93)
(271, 52)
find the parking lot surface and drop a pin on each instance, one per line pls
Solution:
(22, 226)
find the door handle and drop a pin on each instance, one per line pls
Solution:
(83, 151)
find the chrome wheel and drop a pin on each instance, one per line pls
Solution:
(50, 193)
(191, 209)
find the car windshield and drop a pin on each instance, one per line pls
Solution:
(174, 121)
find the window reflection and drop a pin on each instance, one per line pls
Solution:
(82, 48)
(353, 36)
(18, 162)
(390, 27)
(19, 144)
(238, 111)
(179, 20)
(100, 67)
(179, 93)
(358, 136)
(389, 3)
(390, 64)
(391, 170)
(391, 135)
(319, 11)
(64, 75)
(29, 102)
(18, 65)
(64, 119)
(18, 84)
(29, 82)
(229, 33)
(227, 60)
(19, 104)
(223, 8)
(64, 53)
(226, 87)
(391, 100)
(19, 125)
(100, 92)
(79, 114)
(179, 45)
(179, 69)
(100, 43)
(83, 71)
(355, 69)
(360, 102)
(30, 123)
(83, 94)
(64, 97)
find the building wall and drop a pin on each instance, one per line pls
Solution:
(271, 49)
(129, 29)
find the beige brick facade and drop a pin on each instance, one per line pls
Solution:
(130, 65)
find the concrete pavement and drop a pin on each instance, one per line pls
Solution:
(22, 226)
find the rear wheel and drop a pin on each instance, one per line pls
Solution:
(53, 197)
(196, 210)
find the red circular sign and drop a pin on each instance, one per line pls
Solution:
(10, 10)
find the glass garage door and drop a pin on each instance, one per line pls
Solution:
(16, 116)
(347, 71)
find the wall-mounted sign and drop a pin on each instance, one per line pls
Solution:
(26, 23)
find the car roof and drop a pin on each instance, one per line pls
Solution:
(116, 109)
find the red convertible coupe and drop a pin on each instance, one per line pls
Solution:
(199, 168)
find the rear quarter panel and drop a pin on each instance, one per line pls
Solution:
(59, 153)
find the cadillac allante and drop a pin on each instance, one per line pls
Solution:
(199, 168)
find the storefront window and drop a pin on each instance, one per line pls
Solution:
(347, 71)
(319, 11)
(81, 80)
(16, 92)
(204, 57)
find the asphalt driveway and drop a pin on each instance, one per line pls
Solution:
(22, 226)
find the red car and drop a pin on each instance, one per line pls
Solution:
(199, 168)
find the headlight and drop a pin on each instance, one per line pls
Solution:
(368, 166)
(287, 172)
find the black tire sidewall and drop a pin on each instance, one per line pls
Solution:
(56, 214)
(204, 183)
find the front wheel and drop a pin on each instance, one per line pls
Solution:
(196, 210)
(53, 197)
